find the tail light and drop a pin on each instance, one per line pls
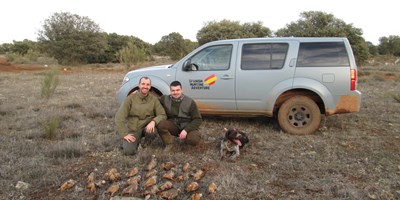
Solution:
(353, 79)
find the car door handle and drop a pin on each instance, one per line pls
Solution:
(292, 62)
(226, 77)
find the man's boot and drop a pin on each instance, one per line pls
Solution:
(168, 147)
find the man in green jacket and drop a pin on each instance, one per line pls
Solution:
(138, 116)
(184, 118)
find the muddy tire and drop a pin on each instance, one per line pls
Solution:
(299, 115)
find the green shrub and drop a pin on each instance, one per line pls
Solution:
(44, 60)
(364, 73)
(131, 55)
(50, 128)
(15, 58)
(31, 57)
(378, 77)
(50, 82)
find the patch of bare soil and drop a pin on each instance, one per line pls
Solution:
(352, 156)
(7, 67)
(17, 68)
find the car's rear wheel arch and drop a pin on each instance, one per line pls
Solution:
(302, 92)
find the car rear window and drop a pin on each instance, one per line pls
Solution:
(322, 54)
(264, 56)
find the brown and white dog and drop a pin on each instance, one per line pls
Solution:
(231, 144)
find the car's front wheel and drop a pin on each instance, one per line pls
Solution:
(299, 115)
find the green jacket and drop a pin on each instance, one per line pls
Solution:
(184, 113)
(137, 111)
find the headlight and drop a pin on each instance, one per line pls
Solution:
(126, 79)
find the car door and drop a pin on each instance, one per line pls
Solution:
(264, 69)
(212, 80)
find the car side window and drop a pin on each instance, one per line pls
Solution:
(264, 56)
(322, 54)
(213, 58)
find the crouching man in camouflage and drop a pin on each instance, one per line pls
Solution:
(183, 118)
(138, 116)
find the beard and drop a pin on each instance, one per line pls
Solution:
(144, 91)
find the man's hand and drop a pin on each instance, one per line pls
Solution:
(150, 127)
(183, 134)
(130, 138)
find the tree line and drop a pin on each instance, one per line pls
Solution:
(67, 38)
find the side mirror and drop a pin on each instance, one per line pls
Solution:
(188, 66)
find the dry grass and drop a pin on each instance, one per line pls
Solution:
(396, 97)
(355, 156)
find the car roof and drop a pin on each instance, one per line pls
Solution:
(283, 39)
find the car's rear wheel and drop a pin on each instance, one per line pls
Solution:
(299, 115)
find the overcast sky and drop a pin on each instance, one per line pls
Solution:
(149, 20)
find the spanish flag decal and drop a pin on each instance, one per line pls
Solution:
(210, 80)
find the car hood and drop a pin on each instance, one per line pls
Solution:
(148, 69)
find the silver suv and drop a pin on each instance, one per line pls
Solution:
(292, 79)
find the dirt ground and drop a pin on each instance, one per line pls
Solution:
(352, 156)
